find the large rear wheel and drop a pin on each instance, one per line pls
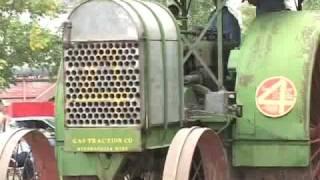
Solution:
(315, 120)
(196, 154)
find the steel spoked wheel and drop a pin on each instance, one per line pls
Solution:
(315, 121)
(35, 161)
(197, 171)
(315, 153)
(196, 154)
(21, 166)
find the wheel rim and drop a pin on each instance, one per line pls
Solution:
(315, 120)
(197, 171)
(43, 156)
(22, 166)
(196, 153)
(315, 153)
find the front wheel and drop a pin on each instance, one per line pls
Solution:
(196, 154)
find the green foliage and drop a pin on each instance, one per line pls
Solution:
(35, 7)
(27, 42)
(39, 38)
(3, 67)
(201, 12)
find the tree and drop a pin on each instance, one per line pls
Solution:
(27, 42)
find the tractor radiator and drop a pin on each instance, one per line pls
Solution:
(102, 84)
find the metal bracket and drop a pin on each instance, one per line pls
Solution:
(192, 48)
(67, 27)
(234, 108)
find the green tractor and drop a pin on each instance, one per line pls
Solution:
(143, 95)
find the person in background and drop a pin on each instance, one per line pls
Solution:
(264, 6)
(232, 21)
(291, 5)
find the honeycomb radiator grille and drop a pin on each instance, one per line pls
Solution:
(102, 84)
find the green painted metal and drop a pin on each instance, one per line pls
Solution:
(276, 154)
(102, 140)
(258, 141)
(88, 164)
(192, 46)
(162, 63)
(59, 106)
(160, 52)
(108, 166)
(277, 44)
(220, 3)
(71, 163)
(190, 98)
(157, 137)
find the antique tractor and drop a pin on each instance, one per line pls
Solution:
(142, 95)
